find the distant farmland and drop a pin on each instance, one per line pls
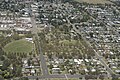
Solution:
(95, 1)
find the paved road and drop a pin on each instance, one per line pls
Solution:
(47, 76)
(56, 76)
(71, 76)
(35, 31)
(96, 53)
(43, 62)
(42, 59)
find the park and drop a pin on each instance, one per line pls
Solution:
(19, 46)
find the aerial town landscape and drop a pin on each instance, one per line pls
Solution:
(59, 39)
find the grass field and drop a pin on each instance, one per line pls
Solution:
(19, 46)
(95, 1)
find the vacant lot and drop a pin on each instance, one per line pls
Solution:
(95, 1)
(19, 46)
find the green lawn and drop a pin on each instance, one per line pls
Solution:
(19, 46)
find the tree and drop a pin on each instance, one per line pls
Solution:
(1, 78)
(62, 67)
(29, 35)
(18, 71)
(85, 18)
(29, 62)
(6, 64)
(91, 34)
(24, 78)
(67, 62)
(50, 66)
(2, 58)
(7, 75)
(16, 37)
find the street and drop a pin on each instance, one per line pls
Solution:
(42, 59)
(45, 73)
